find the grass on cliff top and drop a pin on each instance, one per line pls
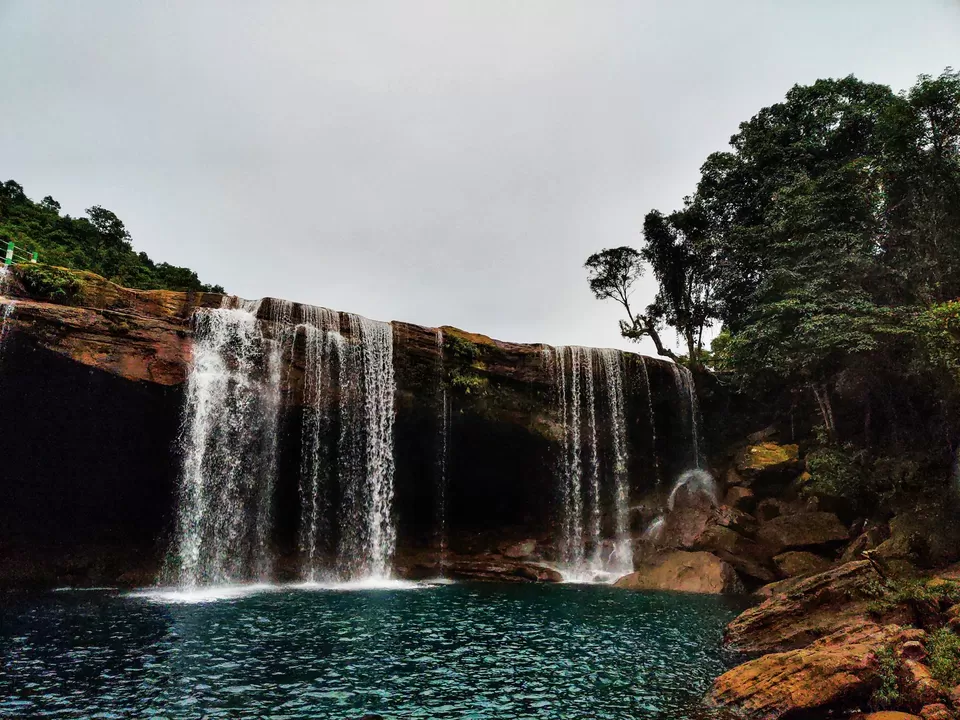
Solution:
(53, 284)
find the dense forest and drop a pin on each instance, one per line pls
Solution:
(99, 243)
(825, 245)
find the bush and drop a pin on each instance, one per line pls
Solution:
(887, 694)
(903, 591)
(46, 282)
(462, 351)
(836, 472)
(468, 383)
(943, 655)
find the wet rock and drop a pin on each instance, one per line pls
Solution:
(696, 572)
(741, 522)
(812, 608)
(868, 540)
(917, 686)
(937, 711)
(912, 650)
(838, 668)
(796, 563)
(802, 530)
(746, 557)
(770, 508)
(740, 498)
(522, 549)
(886, 715)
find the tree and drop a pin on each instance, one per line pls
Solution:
(612, 274)
(675, 249)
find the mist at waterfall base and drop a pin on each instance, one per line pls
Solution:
(446, 651)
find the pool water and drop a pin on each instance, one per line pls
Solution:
(432, 651)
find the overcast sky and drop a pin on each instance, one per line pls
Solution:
(434, 162)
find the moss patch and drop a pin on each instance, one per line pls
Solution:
(53, 284)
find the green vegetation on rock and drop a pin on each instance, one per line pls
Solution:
(99, 243)
(55, 284)
(943, 651)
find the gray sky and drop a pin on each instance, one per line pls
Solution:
(435, 162)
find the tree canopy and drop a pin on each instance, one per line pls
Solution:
(99, 243)
(826, 242)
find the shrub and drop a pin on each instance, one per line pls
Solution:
(462, 351)
(943, 656)
(46, 282)
(468, 383)
(887, 693)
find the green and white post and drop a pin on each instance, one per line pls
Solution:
(8, 260)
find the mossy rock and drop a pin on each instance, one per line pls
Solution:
(766, 457)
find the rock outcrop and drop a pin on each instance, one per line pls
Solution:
(695, 572)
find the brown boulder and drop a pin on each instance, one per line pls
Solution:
(887, 715)
(730, 517)
(522, 549)
(696, 572)
(796, 563)
(740, 498)
(837, 669)
(802, 530)
(746, 557)
(937, 711)
(917, 686)
(812, 608)
(770, 508)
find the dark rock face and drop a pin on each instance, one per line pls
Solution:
(92, 403)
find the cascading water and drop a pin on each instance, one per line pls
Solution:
(357, 369)
(229, 449)
(368, 535)
(686, 388)
(582, 481)
(653, 420)
(5, 314)
(612, 362)
(443, 439)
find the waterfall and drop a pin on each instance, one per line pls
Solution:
(356, 370)
(582, 475)
(686, 388)
(653, 420)
(612, 361)
(229, 446)
(443, 439)
(5, 315)
(367, 536)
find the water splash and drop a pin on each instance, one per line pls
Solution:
(228, 441)
(653, 533)
(695, 482)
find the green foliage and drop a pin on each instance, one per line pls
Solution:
(903, 591)
(943, 656)
(826, 241)
(99, 243)
(462, 351)
(468, 383)
(49, 283)
(887, 693)
(835, 471)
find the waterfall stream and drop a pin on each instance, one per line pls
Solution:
(442, 442)
(594, 481)
(228, 442)
(683, 379)
(230, 438)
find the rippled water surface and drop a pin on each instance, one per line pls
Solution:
(452, 651)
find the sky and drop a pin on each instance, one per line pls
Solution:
(442, 163)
